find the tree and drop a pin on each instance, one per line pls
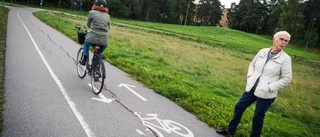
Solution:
(135, 7)
(253, 15)
(209, 12)
(277, 8)
(260, 15)
(167, 11)
(238, 13)
(150, 9)
(233, 16)
(292, 19)
(312, 17)
(246, 12)
(118, 9)
(215, 12)
(201, 13)
(181, 10)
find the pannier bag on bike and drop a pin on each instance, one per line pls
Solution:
(81, 37)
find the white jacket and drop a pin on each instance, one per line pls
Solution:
(274, 75)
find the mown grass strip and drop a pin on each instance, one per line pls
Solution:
(217, 36)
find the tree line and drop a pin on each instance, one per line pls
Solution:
(301, 18)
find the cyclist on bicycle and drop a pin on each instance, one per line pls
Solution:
(99, 24)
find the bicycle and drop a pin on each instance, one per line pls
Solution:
(96, 69)
(165, 125)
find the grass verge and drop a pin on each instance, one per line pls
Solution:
(3, 33)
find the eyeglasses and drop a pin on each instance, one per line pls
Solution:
(282, 39)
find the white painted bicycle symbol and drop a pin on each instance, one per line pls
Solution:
(166, 125)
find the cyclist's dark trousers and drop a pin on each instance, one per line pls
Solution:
(86, 46)
(244, 102)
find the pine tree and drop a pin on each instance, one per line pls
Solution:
(292, 19)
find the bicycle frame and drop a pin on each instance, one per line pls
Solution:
(95, 68)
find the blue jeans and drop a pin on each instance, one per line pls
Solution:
(244, 102)
(86, 46)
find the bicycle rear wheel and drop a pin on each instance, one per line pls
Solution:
(97, 78)
(81, 70)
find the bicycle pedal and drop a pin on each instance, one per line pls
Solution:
(96, 79)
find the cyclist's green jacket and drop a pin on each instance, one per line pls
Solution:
(99, 23)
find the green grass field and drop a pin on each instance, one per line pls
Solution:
(203, 69)
(3, 33)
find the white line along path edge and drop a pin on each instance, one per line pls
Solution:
(72, 105)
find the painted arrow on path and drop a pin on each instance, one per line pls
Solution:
(134, 92)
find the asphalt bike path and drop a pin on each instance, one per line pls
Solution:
(45, 96)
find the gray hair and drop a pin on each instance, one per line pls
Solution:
(279, 33)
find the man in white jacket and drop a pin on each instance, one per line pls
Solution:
(269, 71)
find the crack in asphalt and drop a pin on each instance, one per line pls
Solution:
(45, 49)
(119, 102)
(61, 47)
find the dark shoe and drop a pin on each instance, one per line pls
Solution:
(223, 132)
(82, 62)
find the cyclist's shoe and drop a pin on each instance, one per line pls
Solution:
(82, 62)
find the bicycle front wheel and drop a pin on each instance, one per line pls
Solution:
(97, 78)
(81, 70)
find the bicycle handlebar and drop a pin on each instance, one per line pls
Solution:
(81, 28)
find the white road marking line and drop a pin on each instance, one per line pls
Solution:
(134, 92)
(72, 105)
(140, 132)
(102, 97)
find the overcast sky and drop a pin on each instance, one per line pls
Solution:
(227, 3)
